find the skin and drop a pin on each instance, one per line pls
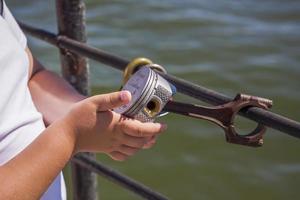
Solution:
(76, 124)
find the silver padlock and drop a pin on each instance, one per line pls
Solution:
(150, 93)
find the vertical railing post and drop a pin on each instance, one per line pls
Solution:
(71, 23)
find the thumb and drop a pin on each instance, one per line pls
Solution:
(112, 100)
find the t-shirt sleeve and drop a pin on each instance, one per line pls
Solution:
(13, 25)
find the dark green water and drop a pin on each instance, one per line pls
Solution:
(231, 46)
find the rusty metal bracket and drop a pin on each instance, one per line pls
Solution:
(254, 138)
(224, 115)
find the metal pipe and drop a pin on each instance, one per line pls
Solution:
(267, 118)
(116, 177)
(75, 69)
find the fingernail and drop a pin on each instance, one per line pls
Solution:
(163, 127)
(124, 95)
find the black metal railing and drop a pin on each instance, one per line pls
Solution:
(118, 178)
(268, 118)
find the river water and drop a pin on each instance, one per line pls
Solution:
(230, 46)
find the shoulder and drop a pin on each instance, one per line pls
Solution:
(13, 25)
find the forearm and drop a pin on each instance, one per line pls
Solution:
(52, 95)
(28, 174)
(89, 126)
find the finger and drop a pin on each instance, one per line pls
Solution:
(112, 100)
(150, 143)
(134, 142)
(118, 156)
(127, 150)
(139, 129)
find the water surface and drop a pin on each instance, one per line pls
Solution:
(231, 46)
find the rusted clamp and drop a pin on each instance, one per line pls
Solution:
(136, 63)
(224, 115)
(254, 138)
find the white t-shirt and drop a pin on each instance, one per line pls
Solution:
(20, 122)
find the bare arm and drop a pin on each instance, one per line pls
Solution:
(88, 125)
(51, 94)
(31, 172)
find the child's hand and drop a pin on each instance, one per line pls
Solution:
(98, 129)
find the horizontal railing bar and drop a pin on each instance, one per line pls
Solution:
(265, 117)
(92, 52)
(116, 177)
(268, 118)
